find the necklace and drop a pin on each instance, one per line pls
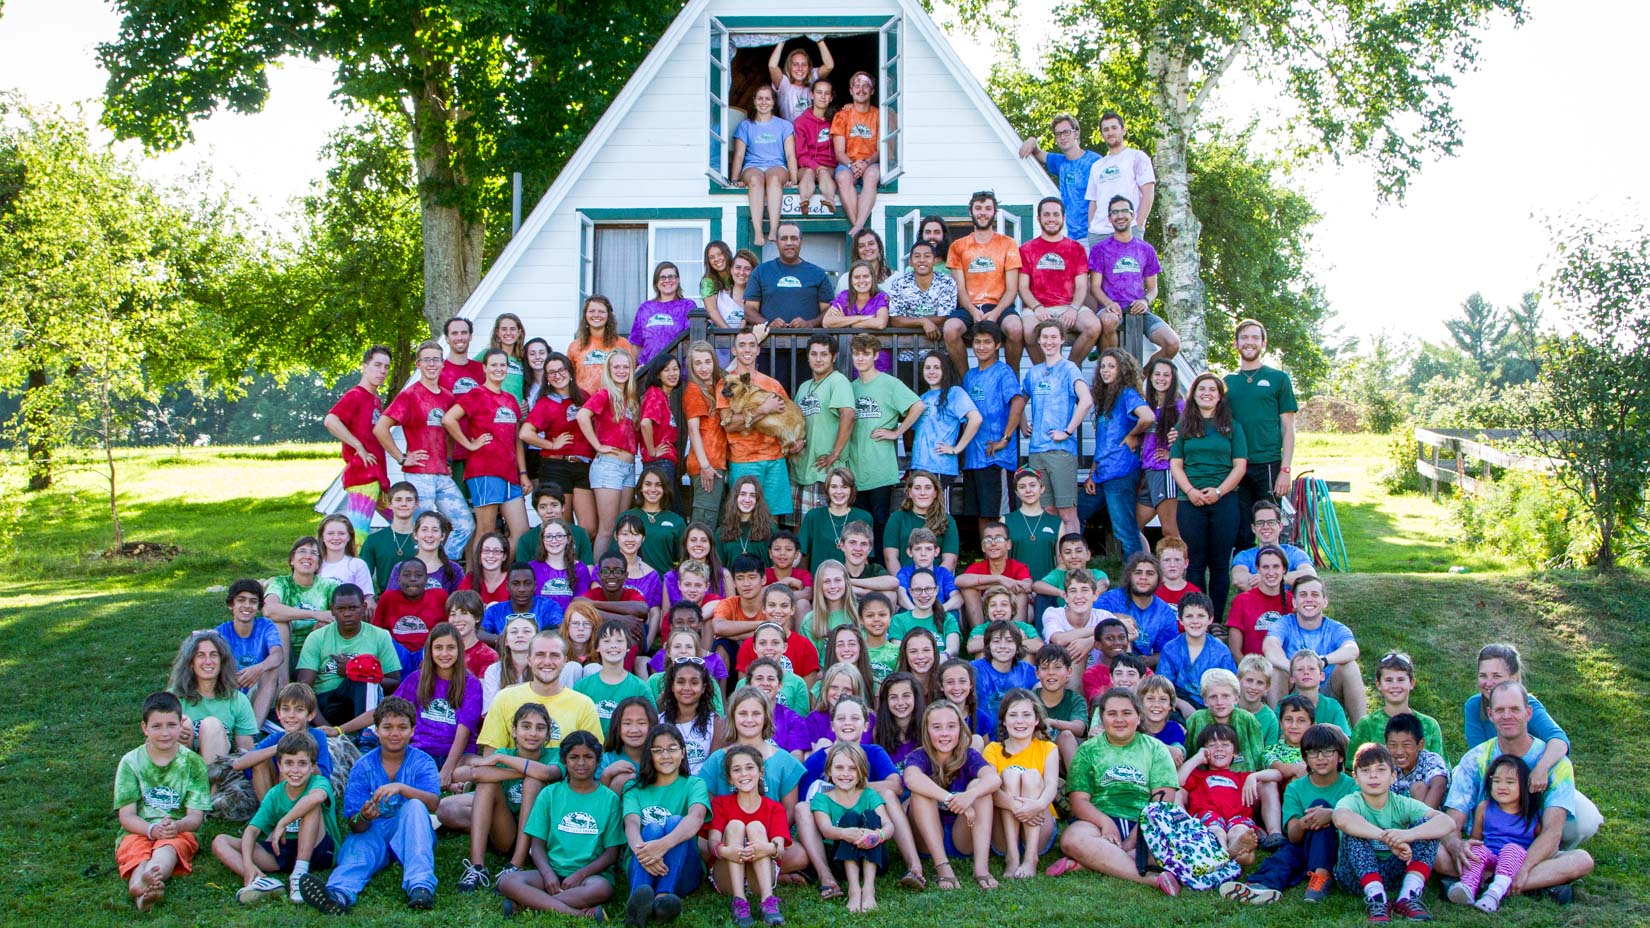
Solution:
(836, 530)
(400, 545)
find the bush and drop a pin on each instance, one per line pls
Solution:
(1327, 413)
(1399, 475)
(1529, 518)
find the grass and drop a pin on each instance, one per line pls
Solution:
(86, 638)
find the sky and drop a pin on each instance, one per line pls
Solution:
(1545, 135)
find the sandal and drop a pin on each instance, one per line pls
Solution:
(914, 880)
(1062, 867)
(947, 877)
(830, 891)
(986, 881)
(1167, 882)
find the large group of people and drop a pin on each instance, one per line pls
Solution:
(760, 654)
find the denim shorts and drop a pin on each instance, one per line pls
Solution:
(491, 491)
(612, 474)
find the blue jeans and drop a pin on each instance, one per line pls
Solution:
(1292, 862)
(409, 837)
(685, 871)
(440, 493)
(1117, 497)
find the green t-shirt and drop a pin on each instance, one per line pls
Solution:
(728, 550)
(822, 403)
(662, 534)
(162, 792)
(902, 522)
(1282, 752)
(1072, 707)
(835, 620)
(1257, 398)
(327, 651)
(1371, 729)
(1057, 578)
(657, 803)
(532, 543)
(1251, 744)
(575, 827)
(234, 711)
(978, 631)
(825, 801)
(512, 787)
(607, 696)
(904, 622)
(382, 550)
(277, 803)
(883, 659)
(656, 686)
(1268, 719)
(1299, 795)
(1208, 458)
(1119, 780)
(1331, 712)
(1033, 541)
(879, 404)
(820, 534)
(1399, 812)
(318, 595)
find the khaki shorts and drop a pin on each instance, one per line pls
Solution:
(1059, 470)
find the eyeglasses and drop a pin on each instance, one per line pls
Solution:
(665, 750)
(555, 536)
(669, 277)
(1321, 752)
(1121, 212)
(555, 372)
(1062, 132)
(434, 360)
(984, 193)
(1267, 523)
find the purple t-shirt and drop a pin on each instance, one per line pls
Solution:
(819, 726)
(790, 732)
(563, 585)
(965, 775)
(1149, 445)
(878, 303)
(438, 722)
(652, 588)
(1124, 267)
(713, 662)
(657, 325)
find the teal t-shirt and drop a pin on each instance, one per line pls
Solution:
(883, 659)
(823, 404)
(277, 803)
(1032, 540)
(234, 711)
(904, 622)
(1299, 795)
(1399, 812)
(512, 788)
(655, 804)
(575, 827)
(1268, 719)
(1208, 458)
(607, 696)
(879, 404)
(826, 801)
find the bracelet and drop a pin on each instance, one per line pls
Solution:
(149, 833)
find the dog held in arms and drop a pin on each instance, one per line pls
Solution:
(745, 397)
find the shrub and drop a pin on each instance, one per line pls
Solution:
(1529, 518)
(1398, 474)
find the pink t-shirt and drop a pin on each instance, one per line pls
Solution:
(620, 434)
(656, 409)
(418, 411)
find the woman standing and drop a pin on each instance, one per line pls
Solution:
(660, 385)
(661, 320)
(594, 339)
(1157, 491)
(496, 472)
(608, 421)
(1207, 461)
(553, 427)
(508, 335)
(1122, 419)
(707, 448)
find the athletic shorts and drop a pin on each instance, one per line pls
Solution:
(1156, 488)
(1214, 821)
(491, 491)
(1153, 322)
(321, 859)
(984, 489)
(134, 850)
(775, 478)
(967, 318)
(568, 473)
(612, 474)
(1059, 470)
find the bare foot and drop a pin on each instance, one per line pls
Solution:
(151, 888)
(1026, 871)
(758, 240)
(1244, 851)
(853, 901)
(869, 902)
(792, 879)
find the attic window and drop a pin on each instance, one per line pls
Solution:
(740, 48)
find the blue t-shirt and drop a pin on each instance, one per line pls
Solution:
(1071, 175)
(1157, 622)
(788, 292)
(992, 390)
(254, 648)
(1112, 458)
(764, 141)
(939, 426)
(990, 684)
(418, 771)
(1480, 729)
(943, 578)
(1248, 559)
(881, 767)
(1176, 665)
(1322, 641)
(545, 611)
(323, 754)
(1050, 401)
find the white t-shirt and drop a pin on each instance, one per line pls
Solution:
(1055, 620)
(794, 100)
(349, 570)
(1119, 175)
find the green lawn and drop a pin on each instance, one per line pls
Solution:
(85, 639)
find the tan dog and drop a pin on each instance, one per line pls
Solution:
(745, 397)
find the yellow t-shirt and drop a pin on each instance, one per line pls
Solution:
(1033, 758)
(569, 710)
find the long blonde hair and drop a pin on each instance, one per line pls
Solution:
(708, 389)
(944, 771)
(820, 619)
(621, 400)
(841, 668)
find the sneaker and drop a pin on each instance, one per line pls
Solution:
(1317, 886)
(1239, 891)
(666, 906)
(1563, 893)
(742, 914)
(316, 894)
(474, 878)
(770, 911)
(1488, 903)
(257, 889)
(1377, 910)
(421, 897)
(638, 909)
(498, 878)
(1458, 893)
(1273, 841)
(296, 895)
(1412, 908)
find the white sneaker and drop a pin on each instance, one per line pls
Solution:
(257, 889)
(296, 896)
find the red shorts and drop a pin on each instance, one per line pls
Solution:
(1215, 821)
(134, 851)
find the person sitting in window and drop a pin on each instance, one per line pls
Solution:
(794, 83)
(856, 133)
(764, 161)
(815, 154)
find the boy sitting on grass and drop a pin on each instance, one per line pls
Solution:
(298, 820)
(1220, 694)
(1308, 813)
(162, 798)
(294, 708)
(1386, 837)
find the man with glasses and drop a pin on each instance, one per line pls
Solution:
(1266, 526)
(1123, 279)
(418, 410)
(1070, 167)
(986, 267)
(1262, 400)
(1122, 172)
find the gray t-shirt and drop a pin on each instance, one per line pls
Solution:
(788, 292)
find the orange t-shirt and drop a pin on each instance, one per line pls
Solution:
(696, 406)
(589, 361)
(859, 132)
(985, 267)
(748, 445)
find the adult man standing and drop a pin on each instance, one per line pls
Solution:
(787, 292)
(1262, 400)
(1568, 819)
(1124, 280)
(1154, 620)
(827, 403)
(418, 410)
(1070, 167)
(1123, 172)
(351, 420)
(1307, 628)
(1267, 526)
(459, 375)
(1054, 282)
(986, 266)
(751, 452)
(994, 452)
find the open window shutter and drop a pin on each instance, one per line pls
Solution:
(906, 236)
(720, 82)
(587, 258)
(1008, 223)
(893, 150)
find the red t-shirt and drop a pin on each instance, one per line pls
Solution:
(770, 577)
(1173, 597)
(459, 379)
(409, 621)
(656, 409)
(1254, 613)
(636, 624)
(478, 657)
(621, 434)
(802, 654)
(554, 417)
(1053, 268)
(359, 409)
(497, 594)
(771, 815)
(418, 411)
(497, 414)
(1012, 569)
(1217, 791)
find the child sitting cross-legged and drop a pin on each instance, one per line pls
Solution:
(576, 832)
(1221, 798)
(1220, 695)
(1503, 828)
(1308, 813)
(1385, 838)
(1157, 715)
(1418, 773)
(162, 798)
(846, 816)
(298, 820)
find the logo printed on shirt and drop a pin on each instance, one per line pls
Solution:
(595, 357)
(375, 416)
(809, 404)
(981, 264)
(789, 281)
(605, 707)
(867, 407)
(655, 815)
(1044, 387)
(1126, 264)
(442, 711)
(163, 799)
(658, 319)
(1126, 774)
(1110, 172)
(578, 823)
(1221, 781)
(433, 417)
(860, 130)
(556, 586)
(1051, 261)
(504, 414)
(1266, 620)
(464, 385)
(512, 791)
(409, 625)
(824, 135)
(1263, 383)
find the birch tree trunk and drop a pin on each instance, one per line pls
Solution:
(452, 241)
(1182, 264)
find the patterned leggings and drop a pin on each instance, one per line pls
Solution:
(1505, 863)
(1359, 863)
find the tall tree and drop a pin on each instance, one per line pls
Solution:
(1479, 332)
(482, 87)
(1365, 79)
